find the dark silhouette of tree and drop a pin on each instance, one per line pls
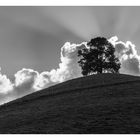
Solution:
(99, 57)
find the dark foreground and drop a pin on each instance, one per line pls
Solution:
(100, 104)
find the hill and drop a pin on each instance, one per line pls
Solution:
(97, 104)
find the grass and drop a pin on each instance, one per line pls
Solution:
(98, 104)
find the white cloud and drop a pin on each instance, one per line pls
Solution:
(127, 53)
(68, 68)
(43, 81)
(5, 84)
(29, 80)
(25, 80)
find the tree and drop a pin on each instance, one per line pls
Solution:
(99, 57)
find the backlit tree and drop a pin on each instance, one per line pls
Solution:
(99, 57)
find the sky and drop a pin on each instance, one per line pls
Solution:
(38, 45)
(31, 37)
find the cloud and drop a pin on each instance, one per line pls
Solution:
(25, 80)
(28, 80)
(5, 84)
(127, 53)
(23, 85)
(6, 87)
(68, 68)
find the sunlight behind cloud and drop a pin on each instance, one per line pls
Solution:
(81, 22)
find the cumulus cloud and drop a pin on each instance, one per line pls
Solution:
(28, 80)
(6, 87)
(68, 68)
(5, 84)
(25, 80)
(23, 85)
(127, 53)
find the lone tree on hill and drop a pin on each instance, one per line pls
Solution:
(99, 57)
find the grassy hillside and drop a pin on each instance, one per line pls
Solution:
(104, 103)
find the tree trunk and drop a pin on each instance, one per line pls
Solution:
(99, 70)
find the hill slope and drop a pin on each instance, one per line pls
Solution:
(104, 103)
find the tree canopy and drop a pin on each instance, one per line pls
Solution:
(99, 57)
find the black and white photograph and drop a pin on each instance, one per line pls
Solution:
(70, 69)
